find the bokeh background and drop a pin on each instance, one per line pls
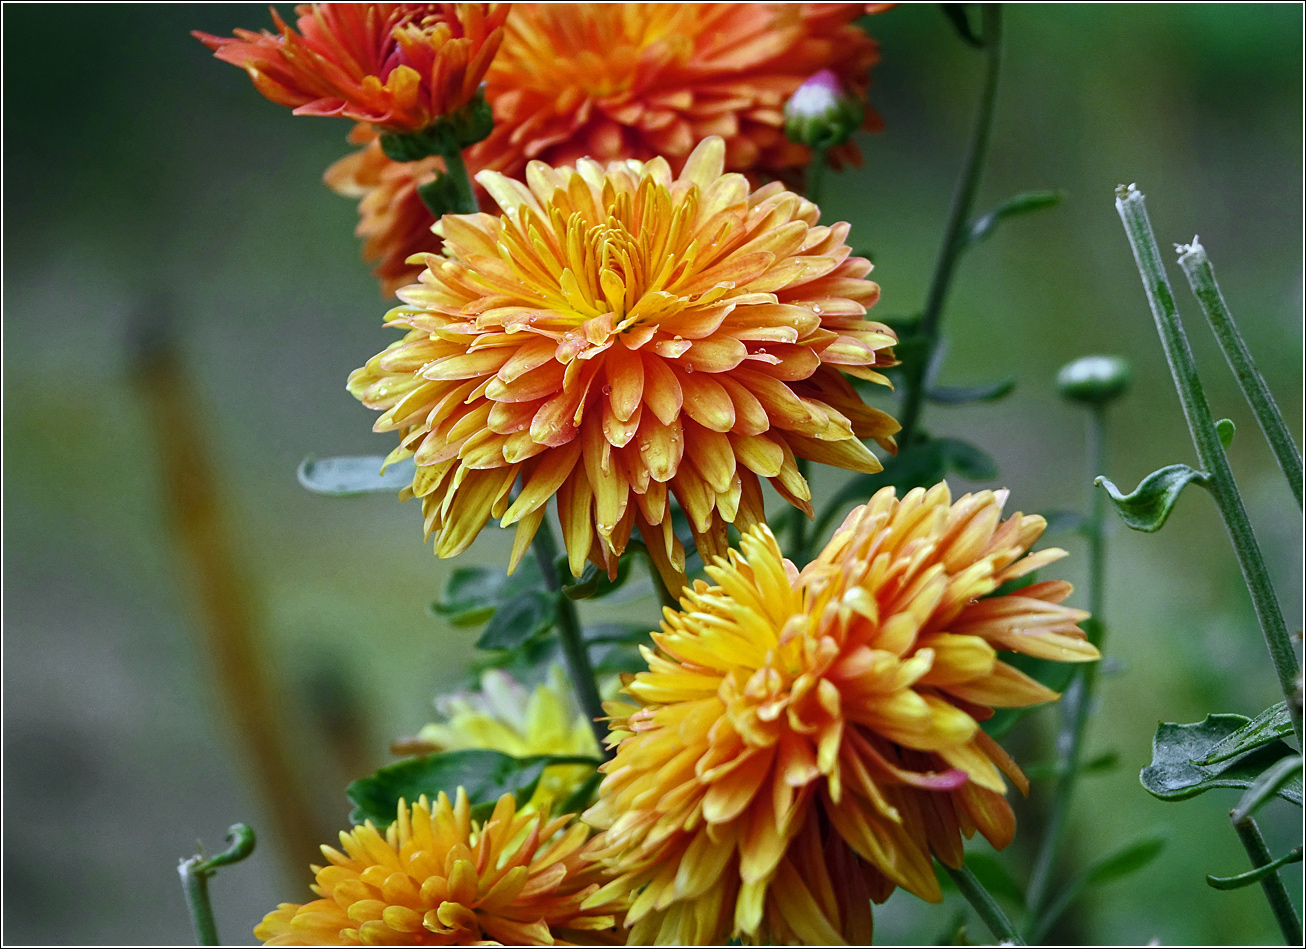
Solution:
(151, 195)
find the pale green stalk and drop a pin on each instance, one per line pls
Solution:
(1210, 452)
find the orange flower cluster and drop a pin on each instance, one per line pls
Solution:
(398, 66)
(626, 80)
(618, 337)
(803, 742)
(436, 877)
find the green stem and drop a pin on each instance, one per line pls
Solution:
(963, 201)
(195, 872)
(983, 903)
(1201, 278)
(1223, 488)
(1079, 699)
(1275, 892)
(816, 175)
(573, 643)
(456, 169)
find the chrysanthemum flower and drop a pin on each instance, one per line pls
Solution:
(618, 337)
(399, 66)
(639, 80)
(435, 877)
(504, 716)
(804, 741)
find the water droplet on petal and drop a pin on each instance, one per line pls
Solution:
(607, 390)
(761, 350)
(816, 309)
(688, 368)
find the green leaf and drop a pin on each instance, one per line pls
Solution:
(967, 460)
(962, 395)
(472, 594)
(347, 476)
(1270, 782)
(1123, 862)
(1256, 875)
(485, 775)
(627, 633)
(984, 225)
(1148, 505)
(594, 583)
(1225, 429)
(518, 619)
(988, 869)
(1174, 773)
(1270, 725)
(956, 14)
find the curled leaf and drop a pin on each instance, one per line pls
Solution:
(963, 395)
(1175, 772)
(1147, 507)
(1024, 203)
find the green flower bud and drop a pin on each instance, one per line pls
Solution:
(457, 130)
(1094, 380)
(820, 114)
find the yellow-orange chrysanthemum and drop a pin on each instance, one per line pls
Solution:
(436, 877)
(618, 337)
(399, 66)
(805, 741)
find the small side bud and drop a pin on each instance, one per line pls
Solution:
(821, 113)
(1094, 380)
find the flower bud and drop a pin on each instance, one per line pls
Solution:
(1094, 380)
(821, 114)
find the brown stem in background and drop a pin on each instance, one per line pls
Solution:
(220, 594)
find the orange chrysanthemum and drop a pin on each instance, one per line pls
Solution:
(804, 741)
(614, 81)
(639, 80)
(618, 337)
(399, 66)
(438, 878)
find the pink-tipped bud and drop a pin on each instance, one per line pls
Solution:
(821, 113)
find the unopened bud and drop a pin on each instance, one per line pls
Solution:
(821, 113)
(1094, 380)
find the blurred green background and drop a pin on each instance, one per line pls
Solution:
(143, 179)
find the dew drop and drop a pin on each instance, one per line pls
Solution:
(678, 338)
(688, 367)
(607, 390)
(816, 309)
(761, 350)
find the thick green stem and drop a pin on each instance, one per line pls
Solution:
(963, 202)
(1079, 698)
(984, 904)
(456, 169)
(1275, 892)
(1201, 278)
(195, 872)
(800, 552)
(573, 643)
(1223, 488)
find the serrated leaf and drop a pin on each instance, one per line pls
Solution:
(1024, 203)
(485, 775)
(1271, 724)
(1174, 773)
(348, 476)
(518, 619)
(964, 395)
(1123, 862)
(472, 594)
(1147, 507)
